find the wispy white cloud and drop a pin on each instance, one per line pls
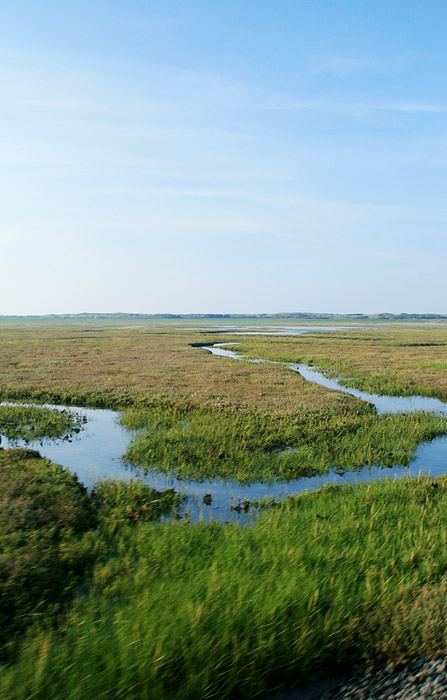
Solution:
(143, 99)
(56, 81)
(344, 66)
(351, 107)
(411, 107)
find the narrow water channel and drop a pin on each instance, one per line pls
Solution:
(383, 404)
(96, 453)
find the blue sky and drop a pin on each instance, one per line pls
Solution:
(253, 156)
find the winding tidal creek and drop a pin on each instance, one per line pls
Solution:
(96, 453)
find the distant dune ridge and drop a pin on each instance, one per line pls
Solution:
(277, 316)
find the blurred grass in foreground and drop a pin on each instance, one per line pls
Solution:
(329, 579)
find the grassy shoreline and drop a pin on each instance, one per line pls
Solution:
(236, 417)
(255, 446)
(395, 362)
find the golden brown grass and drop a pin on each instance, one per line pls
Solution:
(391, 361)
(112, 367)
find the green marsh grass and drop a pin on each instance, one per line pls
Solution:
(44, 514)
(119, 501)
(157, 611)
(236, 416)
(396, 361)
(49, 539)
(36, 422)
(110, 367)
(335, 579)
(254, 446)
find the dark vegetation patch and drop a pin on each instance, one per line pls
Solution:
(44, 513)
(205, 343)
(49, 537)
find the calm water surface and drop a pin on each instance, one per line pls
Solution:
(279, 330)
